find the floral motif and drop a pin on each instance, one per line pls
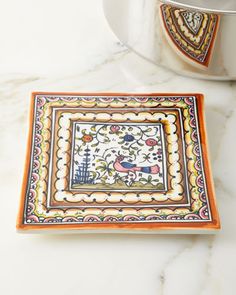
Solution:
(117, 160)
(87, 138)
(115, 128)
(151, 142)
(128, 138)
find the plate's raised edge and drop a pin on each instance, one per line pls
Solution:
(206, 161)
(20, 217)
(171, 231)
(197, 227)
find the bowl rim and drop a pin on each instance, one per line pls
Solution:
(200, 8)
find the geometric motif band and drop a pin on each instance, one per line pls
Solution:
(192, 33)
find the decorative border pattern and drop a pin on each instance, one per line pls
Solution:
(63, 147)
(34, 196)
(197, 46)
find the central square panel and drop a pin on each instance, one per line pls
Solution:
(118, 157)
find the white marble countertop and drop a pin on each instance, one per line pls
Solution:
(68, 46)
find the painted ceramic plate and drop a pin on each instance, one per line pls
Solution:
(117, 163)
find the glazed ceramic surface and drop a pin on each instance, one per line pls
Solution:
(117, 162)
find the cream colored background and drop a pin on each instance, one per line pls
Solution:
(68, 46)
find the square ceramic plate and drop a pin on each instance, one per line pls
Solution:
(117, 163)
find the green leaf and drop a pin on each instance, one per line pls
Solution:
(94, 144)
(102, 167)
(143, 179)
(140, 144)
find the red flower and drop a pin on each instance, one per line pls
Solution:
(151, 142)
(115, 128)
(87, 138)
